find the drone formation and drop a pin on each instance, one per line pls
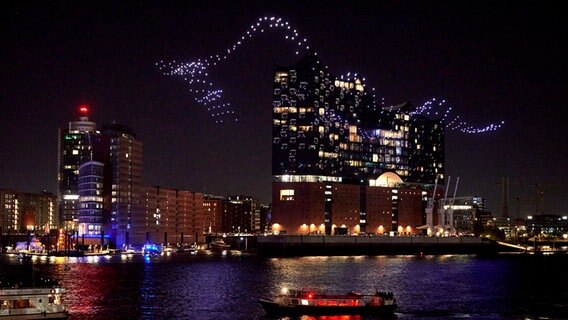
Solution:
(196, 74)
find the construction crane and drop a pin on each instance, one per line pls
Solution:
(441, 210)
(450, 213)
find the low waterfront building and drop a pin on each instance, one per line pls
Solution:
(388, 207)
(510, 226)
(238, 215)
(469, 214)
(22, 212)
(547, 225)
(213, 207)
(173, 216)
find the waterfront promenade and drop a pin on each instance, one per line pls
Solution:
(319, 245)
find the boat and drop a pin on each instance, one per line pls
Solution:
(314, 302)
(192, 249)
(151, 249)
(32, 303)
(219, 245)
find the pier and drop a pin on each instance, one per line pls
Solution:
(319, 245)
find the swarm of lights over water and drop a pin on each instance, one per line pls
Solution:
(196, 74)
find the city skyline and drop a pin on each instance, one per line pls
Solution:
(490, 66)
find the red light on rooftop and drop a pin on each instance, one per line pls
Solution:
(84, 109)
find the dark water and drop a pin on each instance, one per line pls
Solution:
(190, 287)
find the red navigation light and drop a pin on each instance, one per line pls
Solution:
(84, 109)
(310, 295)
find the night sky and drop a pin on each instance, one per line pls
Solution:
(491, 61)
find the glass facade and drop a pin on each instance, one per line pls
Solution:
(75, 148)
(91, 201)
(329, 127)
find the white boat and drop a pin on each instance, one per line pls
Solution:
(32, 303)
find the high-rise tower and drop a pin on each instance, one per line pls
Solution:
(79, 143)
(126, 215)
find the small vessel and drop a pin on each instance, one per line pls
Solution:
(32, 303)
(314, 302)
(219, 245)
(192, 249)
(151, 249)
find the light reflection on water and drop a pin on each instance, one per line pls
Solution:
(193, 287)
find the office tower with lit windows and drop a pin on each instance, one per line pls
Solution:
(239, 214)
(100, 181)
(92, 211)
(337, 154)
(469, 214)
(79, 143)
(126, 219)
(213, 208)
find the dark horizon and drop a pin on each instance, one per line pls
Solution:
(491, 62)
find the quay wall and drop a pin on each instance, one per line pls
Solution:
(318, 245)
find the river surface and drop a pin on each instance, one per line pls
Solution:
(182, 286)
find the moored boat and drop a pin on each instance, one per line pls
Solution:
(32, 303)
(219, 245)
(151, 249)
(314, 302)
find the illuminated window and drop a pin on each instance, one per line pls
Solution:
(281, 76)
(287, 195)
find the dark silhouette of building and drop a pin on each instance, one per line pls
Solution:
(239, 214)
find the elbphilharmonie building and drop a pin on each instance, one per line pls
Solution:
(341, 162)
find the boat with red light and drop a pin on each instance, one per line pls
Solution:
(316, 302)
